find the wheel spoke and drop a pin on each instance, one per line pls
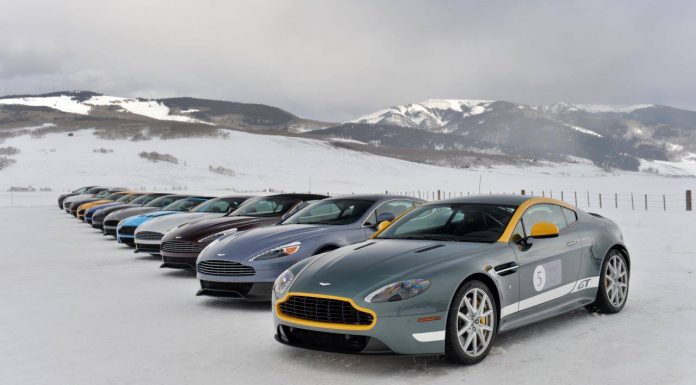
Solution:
(470, 309)
(468, 341)
(486, 328)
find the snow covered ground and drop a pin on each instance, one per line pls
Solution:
(259, 162)
(77, 308)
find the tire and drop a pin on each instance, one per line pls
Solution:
(470, 348)
(613, 284)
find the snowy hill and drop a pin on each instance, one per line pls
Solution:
(454, 133)
(76, 107)
(623, 137)
(254, 162)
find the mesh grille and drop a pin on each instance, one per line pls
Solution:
(126, 230)
(324, 310)
(225, 268)
(148, 235)
(181, 247)
(111, 223)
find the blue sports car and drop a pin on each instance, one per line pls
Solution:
(245, 264)
(125, 231)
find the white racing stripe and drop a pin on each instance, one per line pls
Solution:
(430, 336)
(581, 284)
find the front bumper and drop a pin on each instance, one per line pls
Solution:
(249, 291)
(179, 260)
(109, 230)
(126, 239)
(400, 335)
(152, 248)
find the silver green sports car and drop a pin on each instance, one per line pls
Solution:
(449, 275)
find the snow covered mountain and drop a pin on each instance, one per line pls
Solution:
(71, 107)
(623, 137)
(454, 133)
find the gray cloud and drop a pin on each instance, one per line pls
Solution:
(336, 60)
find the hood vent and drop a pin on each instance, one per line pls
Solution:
(363, 246)
(428, 248)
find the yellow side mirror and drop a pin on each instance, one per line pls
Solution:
(544, 230)
(383, 225)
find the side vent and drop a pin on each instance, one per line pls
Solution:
(363, 246)
(428, 248)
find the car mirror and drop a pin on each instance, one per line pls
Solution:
(383, 225)
(544, 230)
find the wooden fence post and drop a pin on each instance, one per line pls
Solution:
(562, 195)
(664, 202)
(633, 206)
(522, 192)
(646, 202)
(688, 200)
(600, 200)
(588, 199)
(438, 194)
(543, 193)
(616, 200)
(576, 198)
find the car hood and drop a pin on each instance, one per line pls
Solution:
(108, 209)
(196, 230)
(97, 204)
(123, 214)
(138, 219)
(77, 197)
(105, 205)
(250, 243)
(163, 224)
(353, 269)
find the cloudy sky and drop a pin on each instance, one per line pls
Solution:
(335, 60)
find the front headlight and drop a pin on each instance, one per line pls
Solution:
(282, 284)
(398, 290)
(216, 236)
(280, 251)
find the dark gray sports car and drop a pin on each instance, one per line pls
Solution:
(449, 275)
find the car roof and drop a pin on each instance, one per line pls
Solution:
(375, 197)
(505, 200)
(304, 197)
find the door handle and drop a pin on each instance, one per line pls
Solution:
(571, 243)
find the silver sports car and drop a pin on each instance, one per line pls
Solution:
(450, 275)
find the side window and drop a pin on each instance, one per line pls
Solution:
(396, 208)
(544, 213)
(518, 233)
(570, 215)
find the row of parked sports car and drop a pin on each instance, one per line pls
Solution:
(378, 273)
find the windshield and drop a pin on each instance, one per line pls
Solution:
(463, 222)
(114, 196)
(163, 201)
(219, 205)
(266, 207)
(102, 194)
(334, 212)
(126, 198)
(143, 199)
(183, 204)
